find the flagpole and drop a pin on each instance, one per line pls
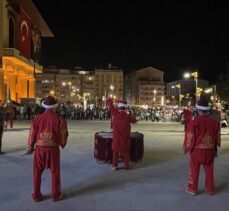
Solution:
(196, 79)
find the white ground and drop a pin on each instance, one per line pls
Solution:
(156, 184)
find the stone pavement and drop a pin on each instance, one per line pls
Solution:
(156, 184)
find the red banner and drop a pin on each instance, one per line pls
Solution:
(25, 34)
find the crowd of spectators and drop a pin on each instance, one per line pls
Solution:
(28, 111)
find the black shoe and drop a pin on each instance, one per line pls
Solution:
(1, 153)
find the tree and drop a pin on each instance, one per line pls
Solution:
(222, 87)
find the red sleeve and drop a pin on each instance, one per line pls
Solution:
(190, 137)
(32, 136)
(110, 105)
(133, 119)
(111, 108)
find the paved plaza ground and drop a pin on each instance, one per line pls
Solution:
(156, 184)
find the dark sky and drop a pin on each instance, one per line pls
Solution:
(170, 35)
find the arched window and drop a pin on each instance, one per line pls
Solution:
(11, 32)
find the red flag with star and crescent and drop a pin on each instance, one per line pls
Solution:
(25, 34)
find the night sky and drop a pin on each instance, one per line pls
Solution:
(172, 36)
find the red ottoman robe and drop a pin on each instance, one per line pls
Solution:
(201, 140)
(48, 132)
(121, 125)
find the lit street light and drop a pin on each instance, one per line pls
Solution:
(111, 87)
(154, 95)
(179, 87)
(195, 75)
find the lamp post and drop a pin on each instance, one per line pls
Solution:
(154, 95)
(179, 97)
(111, 90)
(173, 100)
(212, 91)
(68, 86)
(179, 92)
(195, 75)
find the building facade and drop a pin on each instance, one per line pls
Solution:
(184, 90)
(108, 82)
(79, 85)
(146, 87)
(21, 29)
(66, 85)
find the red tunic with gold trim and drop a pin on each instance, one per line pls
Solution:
(121, 125)
(48, 132)
(202, 137)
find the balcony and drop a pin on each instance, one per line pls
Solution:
(12, 52)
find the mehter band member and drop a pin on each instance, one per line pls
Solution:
(121, 125)
(202, 138)
(48, 132)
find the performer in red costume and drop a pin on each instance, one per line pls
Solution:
(187, 115)
(48, 132)
(121, 125)
(201, 140)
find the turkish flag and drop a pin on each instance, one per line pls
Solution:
(25, 34)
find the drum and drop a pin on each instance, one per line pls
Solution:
(103, 145)
(136, 147)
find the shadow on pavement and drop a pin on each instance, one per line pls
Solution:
(15, 129)
(13, 150)
(154, 157)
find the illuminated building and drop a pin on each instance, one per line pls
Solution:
(66, 85)
(187, 89)
(77, 85)
(108, 83)
(145, 87)
(21, 29)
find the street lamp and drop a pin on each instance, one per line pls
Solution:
(211, 90)
(69, 87)
(154, 95)
(173, 100)
(111, 87)
(179, 97)
(179, 92)
(195, 75)
(207, 91)
(111, 90)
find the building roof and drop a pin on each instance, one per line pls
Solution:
(150, 68)
(35, 15)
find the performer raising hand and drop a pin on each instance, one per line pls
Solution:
(121, 125)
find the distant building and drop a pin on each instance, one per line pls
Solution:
(21, 29)
(145, 87)
(78, 84)
(108, 82)
(187, 89)
(67, 85)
